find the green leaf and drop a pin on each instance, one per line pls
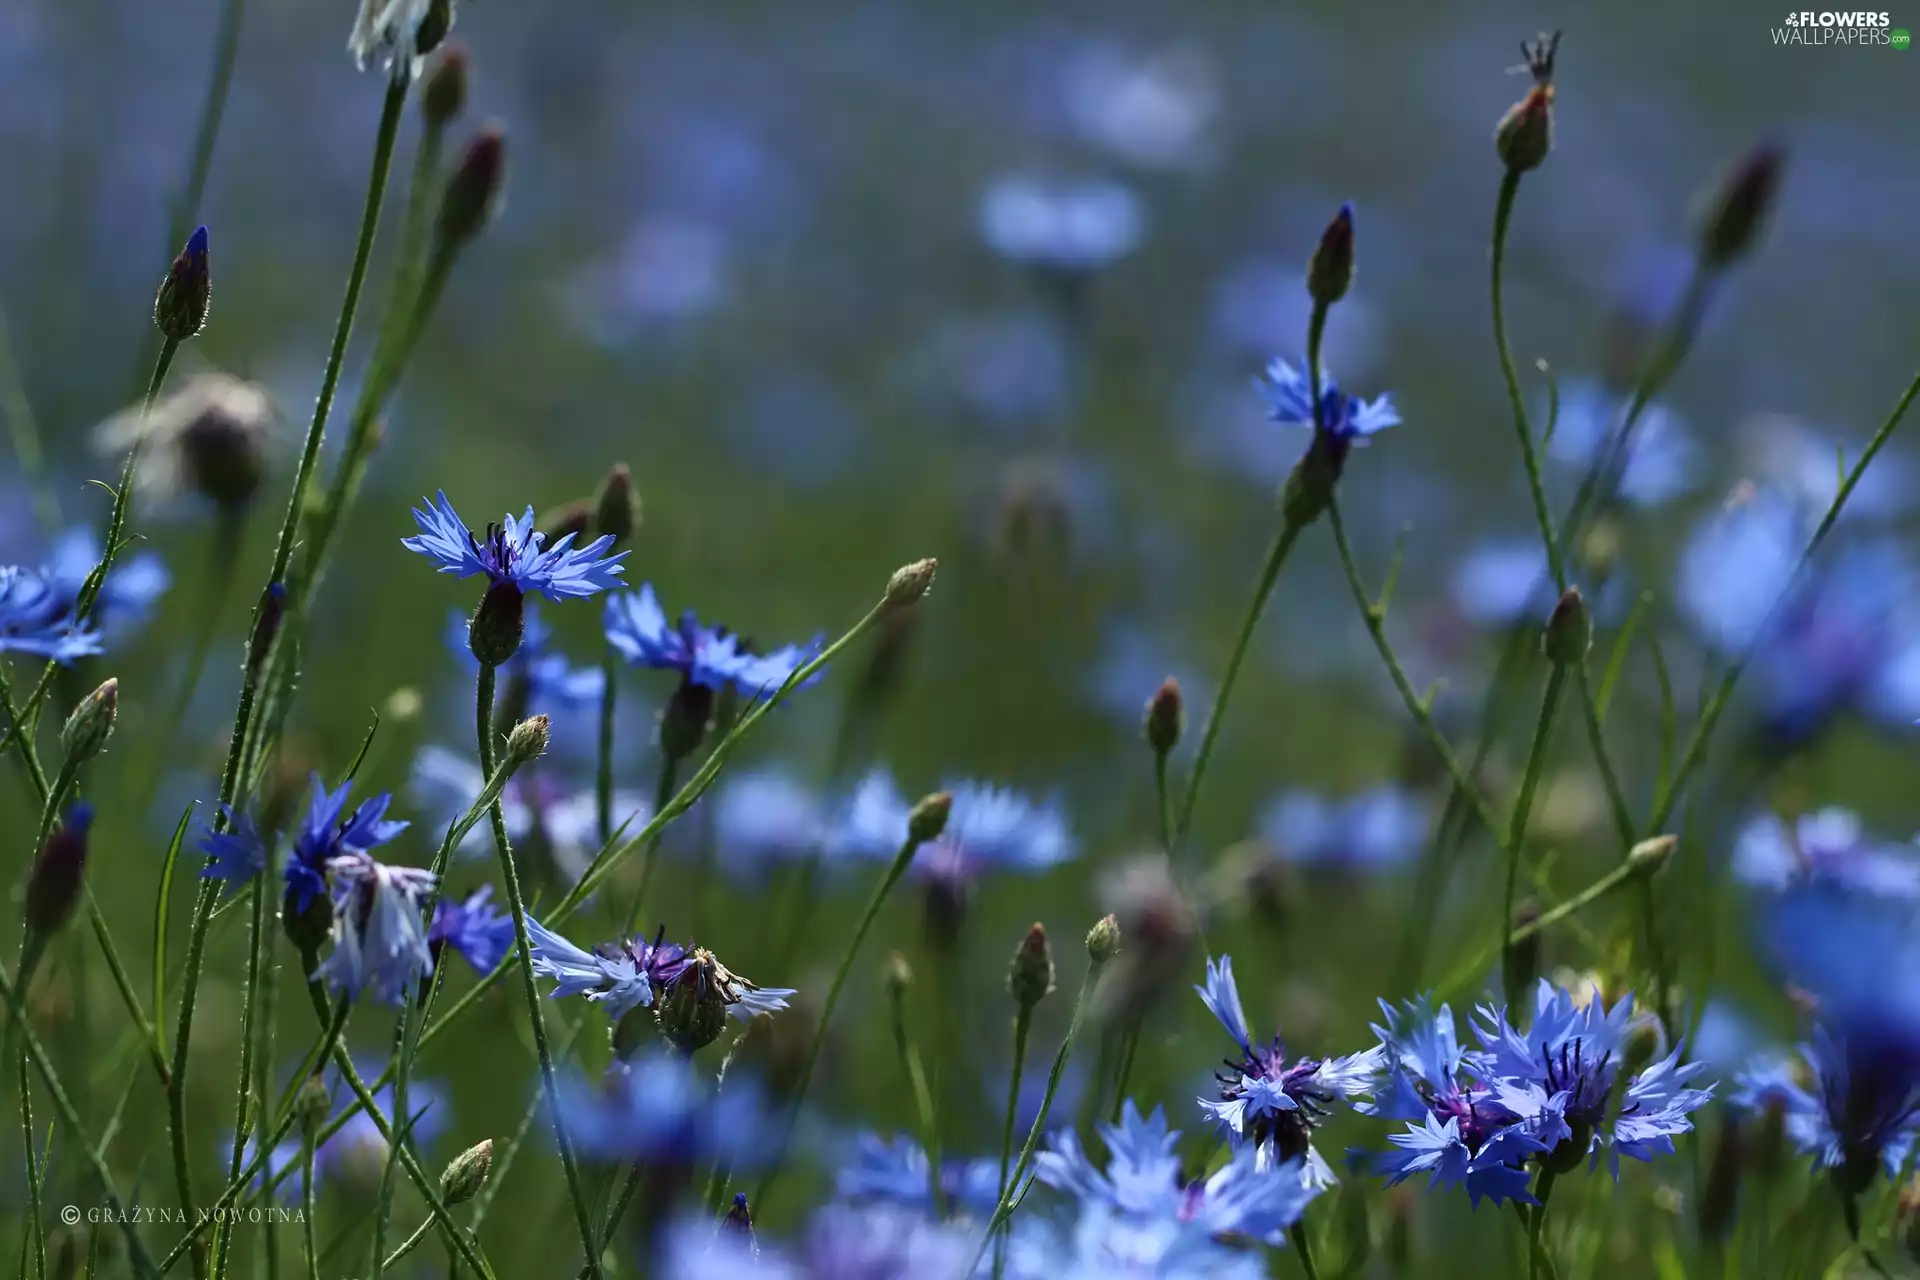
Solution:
(1617, 658)
(162, 905)
(366, 744)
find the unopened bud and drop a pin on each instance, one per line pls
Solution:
(738, 1222)
(444, 96)
(54, 885)
(307, 924)
(433, 28)
(180, 308)
(474, 189)
(89, 726)
(1330, 270)
(897, 974)
(1310, 485)
(1166, 717)
(910, 583)
(1649, 856)
(312, 1103)
(461, 1180)
(616, 507)
(1740, 206)
(1569, 632)
(574, 518)
(928, 821)
(1030, 976)
(693, 1009)
(1525, 135)
(498, 625)
(1103, 940)
(527, 740)
(266, 625)
(685, 719)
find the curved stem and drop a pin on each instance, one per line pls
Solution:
(510, 876)
(1502, 215)
(662, 796)
(243, 1095)
(1523, 807)
(923, 1106)
(307, 1207)
(1162, 802)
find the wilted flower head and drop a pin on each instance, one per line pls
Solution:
(379, 938)
(1828, 846)
(210, 436)
(514, 552)
(1376, 830)
(37, 619)
(1272, 1104)
(710, 657)
(632, 974)
(1066, 227)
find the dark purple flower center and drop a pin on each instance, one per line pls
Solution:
(1478, 1122)
(1588, 1085)
(495, 551)
(1289, 1131)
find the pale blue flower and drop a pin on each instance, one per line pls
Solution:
(1828, 845)
(1072, 227)
(379, 938)
(1375, 830)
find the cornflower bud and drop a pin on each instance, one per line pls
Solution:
(910, 583)
(527, 740)
(312, 1103)
(574, 518)
(498, 625)
(685, 719)
(616, 507)
(1740, 206)
(444, 96)
(1166, 717)
(89, 726)
(180, 307)
(1103, 940)
(1569, 632)
(738, 1222)
(1030, 976)
(1525, 134)
(693, 1009)
(897, 974)
(1649, 856)
(474, 189)
(461, 1180)
(1330, 270)
(928, 821)
(54, 885)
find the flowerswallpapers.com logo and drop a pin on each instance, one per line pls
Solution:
(1827, 27)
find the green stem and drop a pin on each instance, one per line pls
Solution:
(307, 1214)
(1624, 874)
(603, 773)
(1022, 1024)
(243, 1095)
(1537, 1260)
(916, 1075)
(407, 1245)
(1008, 1201)
(867, 917)
(1162, 802)
(1502, 215)
(1302, 1246)
(36, 1231)
(509, 874)
(1129, 1047)
(1523, 806)
(1283, 540)
(662, 795)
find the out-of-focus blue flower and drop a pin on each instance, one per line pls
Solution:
(1136, 1216)
(711, 657)
(1844, 636)
(325, 835)
(1573, 1053)
(658, 1109)
(1830, 845)
(1345, 419)
(895, 1170)
(1461, 1130)
(238, 854)
(1152, 110)
(1808, 467)
(480, 933)
(379, 938)
(357, 1150)
(1858, 958)
(1269, 1103)
(763, 817)
(1661, 458)
(630, 974)
(989, 828)
(997, 372)
(37, 619)
(1069, 227)
(877, 1241)
(127, 597)
(1503, 583)
(552, 683)
(1377, 829)
(514, 552)
(563, 817)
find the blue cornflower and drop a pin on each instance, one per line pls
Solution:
(658, 1109)
(1344, 419)
(895, 1170)
(1858, 958)
(989, 826)
(1461, 1130)
(1269, 1103)
(379, 939)
(873, 1242)
(127, 597)
(551, 683)
(1844, 636)
(1503, 583)
(1661, 459)
(1375, 830)
(474, 928)
(1068, 227)
(632, 974)
(1829, 845)
(238, 854)
(38, 619)
(1139, 1217)
(513, 552)
(324, 835)
(710, 657)
(763, 817)
(536, 804)
(1573, 1053)
(357, 1150)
